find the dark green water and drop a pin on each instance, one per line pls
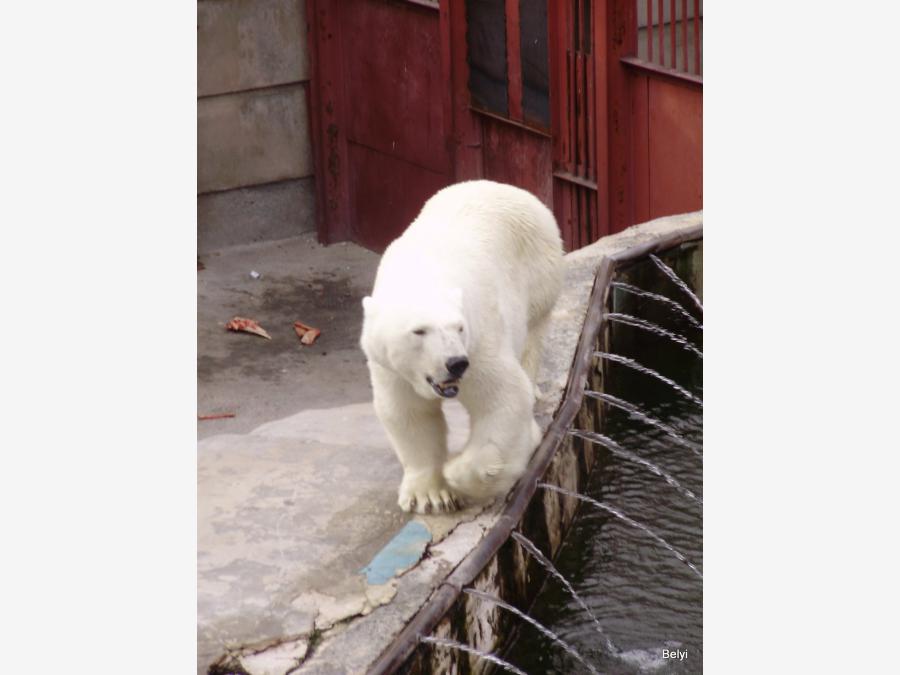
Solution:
(645, 599)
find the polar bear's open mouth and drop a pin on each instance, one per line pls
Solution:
(446, 389)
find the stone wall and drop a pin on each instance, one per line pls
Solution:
(254, 161)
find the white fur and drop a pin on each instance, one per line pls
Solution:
(479, 270)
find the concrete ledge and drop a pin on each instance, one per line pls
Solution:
(252, 137)
(253, 214)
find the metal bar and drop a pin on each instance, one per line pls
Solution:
(697, 36)
(588, 234)
(558, 35)
(567, 105)
(576, 219)
(514, 60)
(609, 118)
(590, 162)
(576, 196)
(615, 124)
(592, 205)
(557, 116)
(586, 217)
(575, 157)
(577, 180)
(588, 230)
(579, 112)
(577, 89)
(566, 224)
(575, 7)
(585, 222)
(319, 96)
(650, 30)
(662, 34)
(445, 36)
(672, 29)
(576, 225)
(684, 40)
(525, 126)
(567, 37)
(571, 218)
(663, 73)
(468, 157)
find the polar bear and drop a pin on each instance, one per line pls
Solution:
(459, 308)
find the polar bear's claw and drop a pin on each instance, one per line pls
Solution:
(426, 493)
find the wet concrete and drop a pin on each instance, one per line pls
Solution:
(261, 380)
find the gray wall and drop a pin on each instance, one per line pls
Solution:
(254, 161)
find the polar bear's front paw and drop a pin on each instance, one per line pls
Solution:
(426, 492)
(478, 473)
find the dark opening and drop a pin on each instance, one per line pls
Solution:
(486, 38)
(535, 62)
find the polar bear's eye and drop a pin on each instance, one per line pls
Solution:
(460, 329)
(419, 331)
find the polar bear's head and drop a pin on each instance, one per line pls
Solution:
(422, 337)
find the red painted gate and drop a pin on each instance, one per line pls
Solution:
(595, 106)
(661, 96)
(378, 113)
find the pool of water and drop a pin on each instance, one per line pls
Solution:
(646, 599)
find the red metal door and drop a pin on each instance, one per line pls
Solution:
(659, 97)
(379, 115)
(593, 105)
(578, 93)
(627, 102)
(508, 114)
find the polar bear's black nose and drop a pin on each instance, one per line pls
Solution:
(456, 365)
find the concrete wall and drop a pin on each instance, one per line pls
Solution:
(254, 161)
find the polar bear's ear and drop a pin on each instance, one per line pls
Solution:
(368, 306)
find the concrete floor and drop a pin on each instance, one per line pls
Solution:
(263, 380)
(296, 493)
